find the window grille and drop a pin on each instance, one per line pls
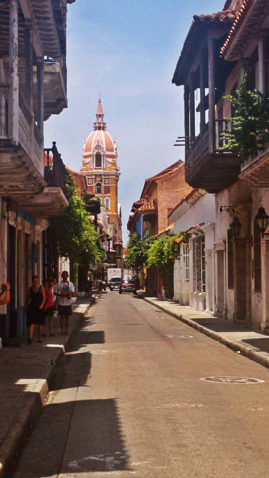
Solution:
(186, 261)
(199, 279)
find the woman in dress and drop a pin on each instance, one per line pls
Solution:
(35, 316)
(49, 306)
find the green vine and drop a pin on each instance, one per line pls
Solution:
(162, 254)
(249, 132)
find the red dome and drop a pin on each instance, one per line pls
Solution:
(99, 138)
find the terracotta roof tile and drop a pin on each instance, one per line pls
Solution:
(239, 16)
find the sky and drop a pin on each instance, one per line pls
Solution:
(125, 51)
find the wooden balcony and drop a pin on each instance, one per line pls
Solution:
(21, 160)
(212, 171)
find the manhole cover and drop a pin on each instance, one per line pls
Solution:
(179, 336)
(243, 380)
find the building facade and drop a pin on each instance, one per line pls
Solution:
(234, 44)
(194, 269)
(32, 87)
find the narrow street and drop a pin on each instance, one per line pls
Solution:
(130, 399)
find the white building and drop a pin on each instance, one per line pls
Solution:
(194, 270)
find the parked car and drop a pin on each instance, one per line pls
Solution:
(127, 286)
(114, 283)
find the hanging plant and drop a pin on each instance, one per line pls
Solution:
(249, 132)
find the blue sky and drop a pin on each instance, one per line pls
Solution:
(126, 50)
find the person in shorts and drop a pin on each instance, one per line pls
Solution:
(65, 290)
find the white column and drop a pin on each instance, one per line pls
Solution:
(13, 72)
(261, 64)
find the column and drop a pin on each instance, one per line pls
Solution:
(187, 117)
(13, 126)
(261, 65)
(211, 86)
(192, 112)
(40, 94)
(202, 92)
(28, 39)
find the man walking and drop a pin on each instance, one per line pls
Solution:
(65, 290)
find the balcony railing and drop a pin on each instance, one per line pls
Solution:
(211, 170)
(3, 112)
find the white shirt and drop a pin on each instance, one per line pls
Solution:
(64, 287)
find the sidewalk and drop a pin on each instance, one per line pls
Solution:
(24, 375)
(253, 345)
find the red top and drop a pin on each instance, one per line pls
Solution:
(49, 296)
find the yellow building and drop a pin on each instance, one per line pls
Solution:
(102, 173)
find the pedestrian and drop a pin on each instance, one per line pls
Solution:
(5, 294)
(49, 306)
(35, 311)
(65, 290)
(99, 288)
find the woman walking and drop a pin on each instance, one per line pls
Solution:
(49, 305)
(35, 315)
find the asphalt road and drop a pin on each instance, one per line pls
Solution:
(131, 399)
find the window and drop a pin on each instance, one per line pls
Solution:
(107, 203)
(230, 259)
(199, 264)
(98, 160)
(186, 261)
(98, 188)
(257, 258)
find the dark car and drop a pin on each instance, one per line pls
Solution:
(114, 283)
(127, 286)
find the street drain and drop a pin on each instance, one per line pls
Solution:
(242, 380)
(179, 336)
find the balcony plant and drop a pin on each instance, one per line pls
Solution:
(249, 131)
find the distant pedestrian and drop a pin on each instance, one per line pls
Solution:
(4, 294)
(99, 288)
(65, 290)
(35, 311)
(49, 305)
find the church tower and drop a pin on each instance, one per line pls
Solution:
(101, 171)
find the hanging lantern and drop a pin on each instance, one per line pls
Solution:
(235, 227)
(262, 219)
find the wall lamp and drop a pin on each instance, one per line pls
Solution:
(263, 220)
(226, 208)
(235, 227)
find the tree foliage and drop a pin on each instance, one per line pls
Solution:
(250, 122)
(162, 254)
(75, 234)
(137, 250)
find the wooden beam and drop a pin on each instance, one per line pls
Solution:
(13, 123)
(187, 117)
(192, 111)
(202, 92)
(211, 94)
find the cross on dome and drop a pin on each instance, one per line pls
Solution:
(99, 124)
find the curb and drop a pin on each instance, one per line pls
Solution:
(236, 347)
(11, 443)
